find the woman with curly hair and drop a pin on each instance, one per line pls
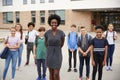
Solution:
(54, 40)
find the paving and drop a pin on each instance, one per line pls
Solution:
(30, 72)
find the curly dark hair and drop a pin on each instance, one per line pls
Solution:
(31, 23)
(54, 16)
(99, 27)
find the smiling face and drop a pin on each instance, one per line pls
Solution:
(18, 27)
(99, 33)
(13, 31)
(54, 24)
(110, 27)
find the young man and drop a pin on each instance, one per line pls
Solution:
(99, 47)
(72, 47)
(30, 36)
(40, 54)
(84, 42)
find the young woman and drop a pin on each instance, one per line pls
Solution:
(111, 36)
(13, 43)
(19, 33)
(54, 39)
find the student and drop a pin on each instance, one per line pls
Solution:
(84, 42)
(19, 33)
(72, 47)
(54, 39)
(111, 36)
(30, 35)
(40, 53)
(13, 43)
(99, 53)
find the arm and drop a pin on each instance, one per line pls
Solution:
(14, 47)
(105, 56)
(92, 58)
(34, 51)
(63, 40)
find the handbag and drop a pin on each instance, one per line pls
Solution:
(4, 53)
(26, 39)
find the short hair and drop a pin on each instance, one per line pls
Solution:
(99, 27)
(73, 25)
(41, 29)
(82, 27)
(54, 16)
(31, 23)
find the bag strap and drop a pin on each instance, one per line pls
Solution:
(36, 41)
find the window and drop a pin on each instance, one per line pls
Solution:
(7, 2)
(24, 1)
(7, 17)
(61, 13)
(42, 1)
(42, 17)
(17, 17)
(33, 16)
(32, 1)
(51, 1)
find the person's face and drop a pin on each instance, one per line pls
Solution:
(54, 24)
(110, 27)
(42, 33)
(73, 29)
(17, 27)
(83, 31)
(31, 27)
(99, 33)
(13, 31)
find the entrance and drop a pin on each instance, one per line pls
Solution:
(104, 18)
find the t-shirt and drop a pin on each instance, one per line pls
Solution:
(110, 37)
(41, 48)
(18, 34)
(31, 35)
(84, 42)
(99, 46)
(12, 41)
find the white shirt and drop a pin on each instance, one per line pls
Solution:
(31, 35)
(110, 37)
(18, 34)
(12, 41)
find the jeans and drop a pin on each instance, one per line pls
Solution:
(98, 66)
(110, 54)
(87, 61)
(74, 57)
(20, 50)
(39, 63)
(12, 55)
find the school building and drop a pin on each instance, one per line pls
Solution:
(87, 13)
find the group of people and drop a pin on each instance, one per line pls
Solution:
(47, 49)
(100, 49)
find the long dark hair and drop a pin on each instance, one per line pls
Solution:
(21, 30)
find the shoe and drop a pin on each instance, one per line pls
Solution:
(110, 68)
(26, 63)
(80, 78)
(38, 78)
(75, 70)
(44, 78)
(69, 70)
(107, 68)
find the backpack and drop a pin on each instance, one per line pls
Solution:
(76, 35)
(36, 41)
(88, 37)
(107, 34)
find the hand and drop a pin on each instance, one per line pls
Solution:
(84, 54)
(104, 62)
(7, 45)
(71, 50)
(34, 56)
(93, 62)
